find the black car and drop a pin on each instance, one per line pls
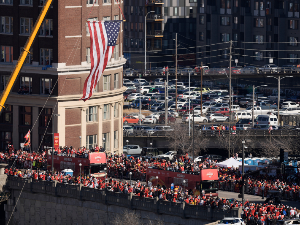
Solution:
(245, 121)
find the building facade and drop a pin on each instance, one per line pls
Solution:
(164, 18)
(46, 95)
(262, 31)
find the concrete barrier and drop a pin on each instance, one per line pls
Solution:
(129, 201)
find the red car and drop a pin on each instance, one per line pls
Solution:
(171, 119)
(130, 119)
(223, 111)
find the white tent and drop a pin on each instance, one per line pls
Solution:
(229, 163)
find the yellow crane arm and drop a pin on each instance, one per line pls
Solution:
(23, 55)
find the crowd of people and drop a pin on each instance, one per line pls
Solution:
(123, 167)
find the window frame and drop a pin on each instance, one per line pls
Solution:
(116, 81)
(105, 141)
(116, 110)
(44, 29)
(4, 55)
(43, 56)
(23, 3)
(106, 112)
(116, 139)
(43, 87)
(6, 2)
(91, 2)
(23, 26)
(23, 82)
(91, 145)
(106, 82)
(4, 25)
(92, 114)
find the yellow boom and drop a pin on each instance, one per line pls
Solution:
(23, 55)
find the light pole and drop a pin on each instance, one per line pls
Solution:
(80, 171)
(130, 174)
(157, 181)
(279, 78)
(80, 141)
(253, 92)
(243, 158)
(189, 104)
(146, 39)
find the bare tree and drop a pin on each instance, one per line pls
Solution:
(179, 138)
(201, 143)
(269, 147)
(128, 217)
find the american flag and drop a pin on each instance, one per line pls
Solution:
(103, 37)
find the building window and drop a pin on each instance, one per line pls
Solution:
(47, 28)
(235, 37)
(26, 25)
(225, 37)
(45, 117)
(175, 11)
(116, 110)
(228, 4)
(166, 11)
(131, 9)
(116, 139)
(26, 2)
(201, 36)
(91, 2)
(4, 81)
(235, 20)
(106, 1)
(46, 86)
(259, 22)
(25, 85)
(258, 56)
(87, 27)
(91, 141)
(6, 2)
(116, 52)
(236, 3)
(7, 113)
(91, 114)
(224, 53)
(201, 19)
(293, 24)
(261, 6)
(293, 58)
(25, 115)
(259, 39)
(6, 25)
(116, 81)
(6, 54)
(105, 141)
(46, 56)
(106, 18)
(293, 41)
(131, 26)
(106, 112)
(106, 83)
(223, 4)
(131, 42)
(225, 20)
(88, 56)
(141, 41)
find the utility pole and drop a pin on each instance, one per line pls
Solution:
(166, 105)
(278, 101)
(229, 96)
(189, 104)
(193, 135)
(253, 105)
(176, 71)
(201, 84)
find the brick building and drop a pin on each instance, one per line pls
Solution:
(59, 60)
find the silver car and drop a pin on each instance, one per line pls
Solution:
(217, 117)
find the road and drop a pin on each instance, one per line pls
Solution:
(254, 198)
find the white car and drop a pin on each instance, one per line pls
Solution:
(133, 96)
(232, 221)
(150, 119)
(137, 115)
(132, 150)
(197, 109)
(170, 155)
(197, 118)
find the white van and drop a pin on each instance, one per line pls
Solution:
(289, 104)
(270, 119)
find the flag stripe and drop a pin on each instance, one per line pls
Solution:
(103, 36)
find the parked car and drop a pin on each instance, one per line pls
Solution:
(169, 155)
(130, 119)
(150, 119)
(132, 150)
(232, 221)
(144, 130)
(128, 129)
(171, 119)
(217, 117)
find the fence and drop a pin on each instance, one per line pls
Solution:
(120, 199)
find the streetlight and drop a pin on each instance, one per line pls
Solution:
(253, 91)
(146, 39)
(80, 141)
(80, 171)
(278, 98)
(243, 158)
(130, 174)
(157, 180)
(105, 169)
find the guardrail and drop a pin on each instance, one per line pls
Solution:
(215, 133)
(120, 199)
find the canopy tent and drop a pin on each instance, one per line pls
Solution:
(229, 163)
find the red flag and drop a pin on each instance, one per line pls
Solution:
(27, 139)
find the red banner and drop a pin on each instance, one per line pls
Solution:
(56, 140)
(209, 174)
(97, 158)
